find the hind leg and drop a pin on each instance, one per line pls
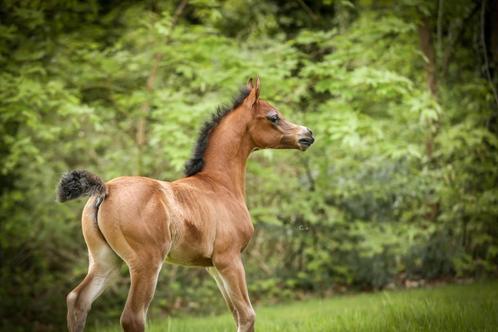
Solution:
(80, 299)
(144, 276)
(103, 266)
(143, 285)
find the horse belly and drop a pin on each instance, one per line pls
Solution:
(189, 261)
(189, 256)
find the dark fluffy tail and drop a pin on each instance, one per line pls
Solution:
(78, 183)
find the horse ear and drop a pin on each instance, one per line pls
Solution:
(253, 96)
(250, 84)
(258, 84)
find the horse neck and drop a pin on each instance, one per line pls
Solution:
(227, 152)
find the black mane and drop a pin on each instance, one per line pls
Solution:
(196, 163)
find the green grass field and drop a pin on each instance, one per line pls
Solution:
(444, 308)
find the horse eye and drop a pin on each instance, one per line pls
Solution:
(273, 118)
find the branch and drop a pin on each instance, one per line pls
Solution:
(308, 10)
(307, 170)
(145, 109)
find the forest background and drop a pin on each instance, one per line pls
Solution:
(399, 189)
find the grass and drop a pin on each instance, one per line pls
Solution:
(452, 308)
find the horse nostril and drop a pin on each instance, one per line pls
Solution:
(310, 132)
(306, 141)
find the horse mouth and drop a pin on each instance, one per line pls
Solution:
(305, 143)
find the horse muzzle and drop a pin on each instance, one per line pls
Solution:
(306, 139)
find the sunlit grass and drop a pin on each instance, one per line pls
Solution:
(445, 308)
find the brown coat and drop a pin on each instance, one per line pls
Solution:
(200, 220)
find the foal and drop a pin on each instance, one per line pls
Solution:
(200, 220)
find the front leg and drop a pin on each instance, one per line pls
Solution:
(223, 289)
(231, 272)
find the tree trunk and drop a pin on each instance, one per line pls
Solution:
(427, 47)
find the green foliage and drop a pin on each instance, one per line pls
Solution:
(366, 207)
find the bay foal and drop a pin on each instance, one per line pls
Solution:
(199, 220)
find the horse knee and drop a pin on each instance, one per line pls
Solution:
(251, 317)
(247, 320)
(132, 322)
(71, 299)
